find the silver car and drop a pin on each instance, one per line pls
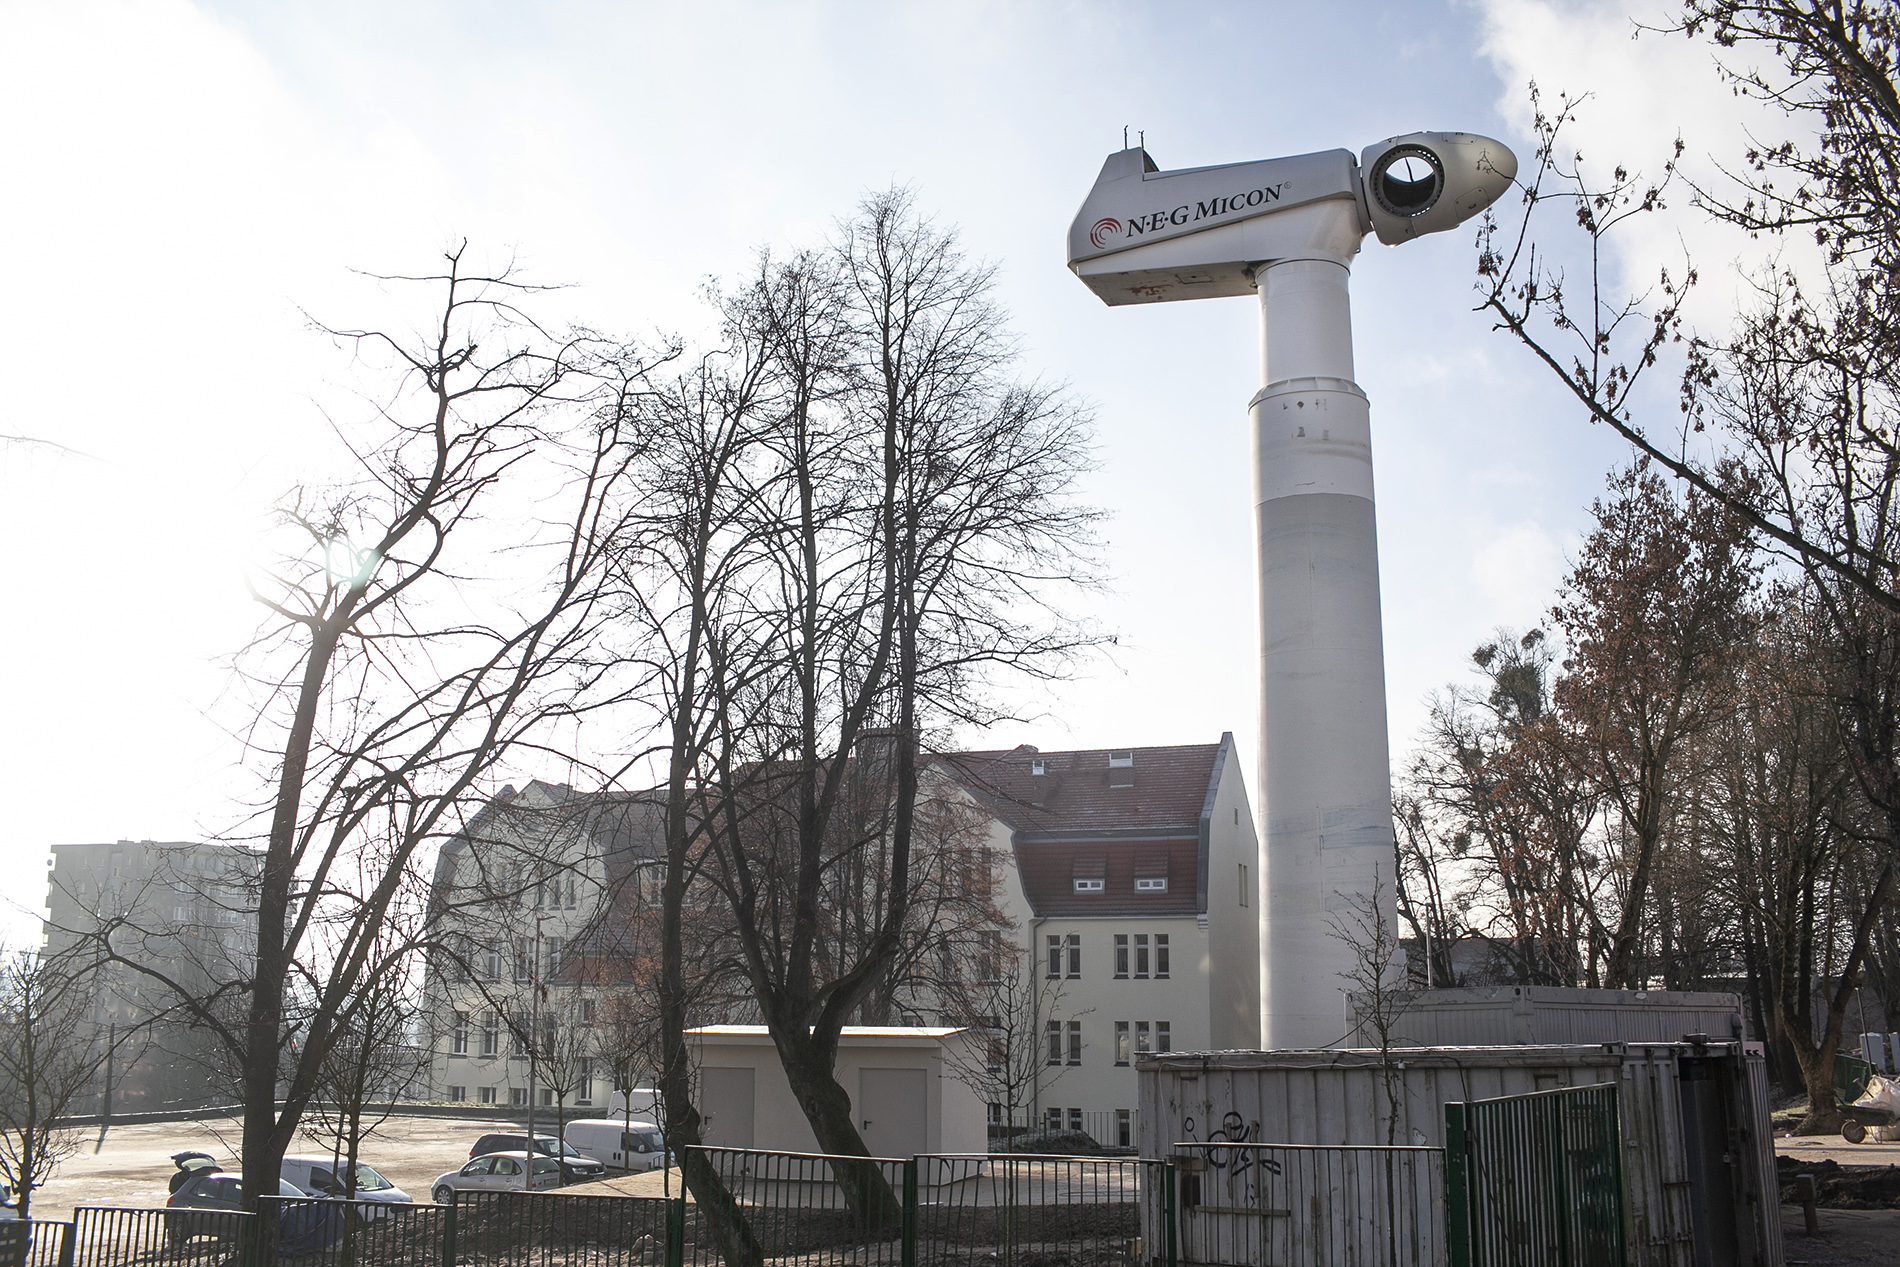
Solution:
(496, 1172)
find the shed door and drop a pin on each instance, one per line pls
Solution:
(892, 1113)
(727, 1097)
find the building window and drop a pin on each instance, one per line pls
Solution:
(587, 1011)
(1075, 956)
(584, 1089)
(1152, 884)
(491, 1035)
(1161, 954)
(1124, 1129)
(547, 1097)
(1039, 768)
(1054, 1031)
(1075, 1042)
(571, 903)
(1052, 1120)
(458, 1043)
(1121, 956)
(1121, 1042)
(517, 1096)
(1121, 760)
(1090, 884)
(1075, 1120)
(555, 946)
(1141, 956)
(488, 1095)
(1164, 1041)
(1244, 886)
(996, 1114)
(491, 963)
(524, 959)
(1055, 957)
(1142, 1039)
(458, 1093)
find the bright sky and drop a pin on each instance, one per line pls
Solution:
(185, 181)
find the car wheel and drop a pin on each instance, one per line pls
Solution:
(1853, 1132)
(444, 1195)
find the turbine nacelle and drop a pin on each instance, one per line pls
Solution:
(1148, 236)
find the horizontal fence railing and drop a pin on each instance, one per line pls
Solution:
(1311, 1205)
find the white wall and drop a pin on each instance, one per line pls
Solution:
(954, 1114)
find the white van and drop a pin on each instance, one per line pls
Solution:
(633, 1146)
(316, 1175)
(645, 1104)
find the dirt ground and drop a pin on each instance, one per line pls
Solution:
(131, 1165)
(1849, 1238)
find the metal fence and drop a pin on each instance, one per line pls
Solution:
(31, 1243)
(1536, 1179)
(811, 1209)
(102, 1237)
(530, 1229)
(1311, 1205)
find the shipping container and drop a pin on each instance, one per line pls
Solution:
(1698, 1158)
(1486, 1016)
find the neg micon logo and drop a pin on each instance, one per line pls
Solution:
(1104, 229)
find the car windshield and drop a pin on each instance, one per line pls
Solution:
(368, 1180)
(546, 1145)
(649, 1140)
(285, 1188)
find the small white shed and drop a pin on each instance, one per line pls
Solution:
(902, 1081)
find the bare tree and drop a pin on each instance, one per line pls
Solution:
(1376, 983)
(392, 695)
(374, 1062)
(50, 1058)
(856, 516)
(1009, 1068)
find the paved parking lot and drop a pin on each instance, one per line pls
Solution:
(131, 1165)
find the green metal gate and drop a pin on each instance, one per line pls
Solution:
(1536, 1180)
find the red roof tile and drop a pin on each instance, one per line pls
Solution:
(1076, 821)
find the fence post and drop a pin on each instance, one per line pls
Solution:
(910, 1213)
(448, 1231)
(1457, 1192)
(1168, 1206)
(676, 1231)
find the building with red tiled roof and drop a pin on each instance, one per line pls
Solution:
(1132, 882)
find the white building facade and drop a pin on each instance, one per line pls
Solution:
(1131, 879)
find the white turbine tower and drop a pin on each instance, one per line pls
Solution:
(1288, 229)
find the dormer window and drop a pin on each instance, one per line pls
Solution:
(1121, 760)
(1151, 871)
(1090, 873)
(1038, 767)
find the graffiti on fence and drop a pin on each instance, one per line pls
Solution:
(1243, 1168)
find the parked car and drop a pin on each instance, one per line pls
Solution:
(318, 1177)
(495, 1172)
(632, 1146)
(191, 1163)
(192, 1210)
(576, 1166)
